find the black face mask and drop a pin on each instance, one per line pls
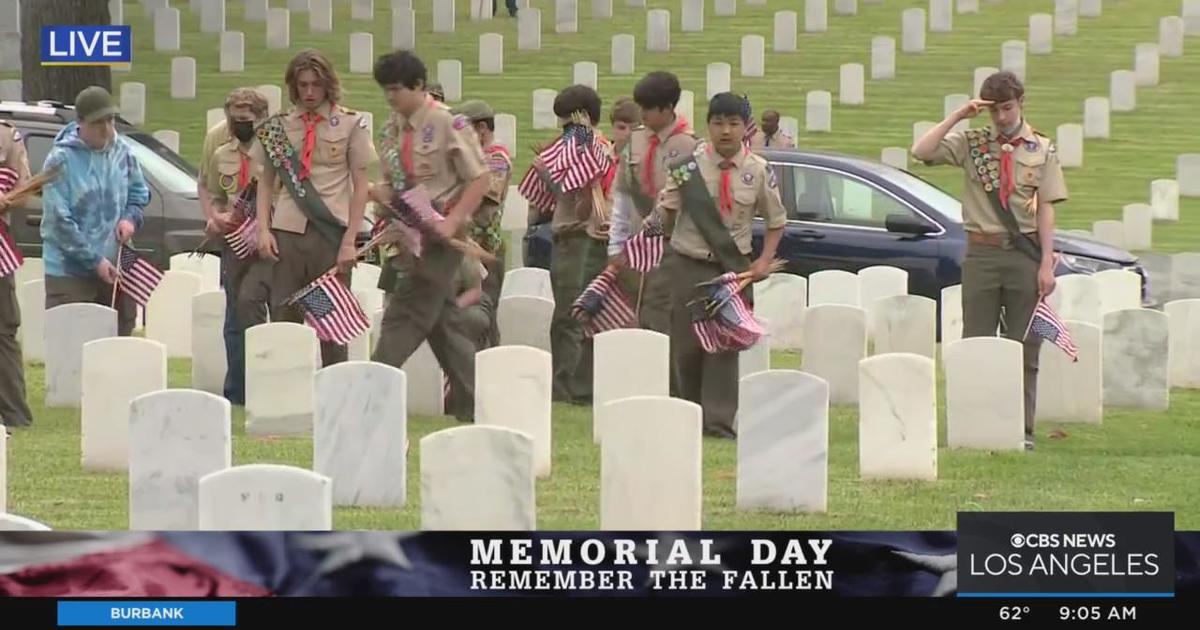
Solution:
(243, 130)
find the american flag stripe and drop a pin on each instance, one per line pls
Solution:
(243, 239)
(644, 250)
(331, 310)
(603, 305)
(8, 179)
(733, 328)
(138, 278)
(1046, 324)
(10, 255)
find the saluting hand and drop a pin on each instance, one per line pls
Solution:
(971, 108)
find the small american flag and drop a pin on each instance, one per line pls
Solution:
(10, 254)
(644, 250)
(1046, 324)
(8, 179)
(603, 306)
(243, 239)
(751, 127)
(733, 327)
(137, 278)
(534, 188)
(331, 310)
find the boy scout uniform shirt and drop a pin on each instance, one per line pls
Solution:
(778, 141)
(1036, 171)
(754, 190)
(486, 230)
(13, 155)
(343, 145)
(673, 144)
(217, 135)
(223, 172)
(446, 156)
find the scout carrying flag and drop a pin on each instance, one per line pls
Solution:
(413, 219)
(243, 239)
(331, 310)
(10, 254)
(603, 306)
(136, 277)
(575, 159)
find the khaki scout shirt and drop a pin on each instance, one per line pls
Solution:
(1036, 170)
(446, 156)
(217, 135)
(486, 230)
(223, 170)
(584, 210)
(778, 141)
(755, 193)
(13, 155)
(672, 147)
(343, 146)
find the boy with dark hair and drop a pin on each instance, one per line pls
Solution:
(709, 203)
(1012, 181)
(664, 138)
(424, 144)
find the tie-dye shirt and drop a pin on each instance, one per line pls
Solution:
(93, 191)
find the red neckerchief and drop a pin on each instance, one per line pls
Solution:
(725, 196)
(311, 120)
(681, 125)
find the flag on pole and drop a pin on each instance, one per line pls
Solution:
(136, 277)
(603, 306)
(644, 250)
(721, 319)
(10, 254)
(8, 179)
(751, 126)
(1046, 324)
(330, 309)
(243, 240)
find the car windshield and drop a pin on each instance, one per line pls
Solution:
(159, 162)
(941, 201)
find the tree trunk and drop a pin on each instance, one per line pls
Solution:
(51, 83)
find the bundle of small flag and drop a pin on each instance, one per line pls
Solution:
(721, 319)
(603, 306)
(1046, 324)
(136, 277)
(574, 160)
(331, 310)
(243, 240)
(413, 219)
(10, 254)
(644, 250)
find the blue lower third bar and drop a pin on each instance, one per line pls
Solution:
(147, 613)
(1071, 595)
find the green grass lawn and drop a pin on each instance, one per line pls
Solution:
(1133, 461)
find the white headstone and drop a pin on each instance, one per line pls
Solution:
(208, 342)
(635, 3)
(1070, 391)
(566, 16)
(32, 269)
(985, 396)
(449, 74)
(543, 109)
(10, 52)
(278, 29)
(1066, 17)
(686, 107)
(913, 30)
(941, 16)
(443, 17)
(133, 102)
(256, 10)
(851, 85)
(894, 156)
(478, 478)
(602, 9)
(1090, 8)
(818, 111)
(212, 16)
(320, 17)
(784, 39)
(1184, 327)
(835, 340)
(628, 362)
(1123, 91)
(14, 523)
(525, 320)
(529, 29)
(491, 53)
(897, 417)
(183, 78)
(781, 300)
(586, 73)
(533, 281)
(1109, 231)
(426, 383)
(116, 11)
(1187, 173)
(299, 6)
(362, 10)
(1138, 219)
(1145, 64)
(1096, 117)
(981, 75)
(169, 312)
(1069, 142)
(718, 78)
(905, 323)
(1191, 16)
(692, 15)
(883, 57)
(512, 390)
(845, 7)
(623, 54)
(658, 30)
(207, 266)
(756, 358)
(753, 55)
(1119, 290)
(360, 433)
(1164, 199)
(213, 116)
(816, 16)
(166, 29)
(1077, 297)
(176, 437)
(833, 286)
(952, 103)
(404, 29)
(32, 296)
(115, 371)
(506, 135)
(233, 51)
(1170, 36)
(362, 53)
(790, 125)
(968, 6)
(68, 328)
(1136, 358)
(951, 316)
(1041, 34)
(281, 359)
(265, 497)
(876, 282)
(783, 442)
(921, 127)
(1012, 57)
(650, 465)
(1185, 276)
(10, 90)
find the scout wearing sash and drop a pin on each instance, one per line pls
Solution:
(314, 159)
(424, 144)
(709, 203)
(231, 180)
(485, 229)
(769, 135)
(14, 171)
(664, 139)
(579, 226)
(1013, 179)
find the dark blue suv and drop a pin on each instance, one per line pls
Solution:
(848, 213)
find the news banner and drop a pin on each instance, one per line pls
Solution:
(1007, 569)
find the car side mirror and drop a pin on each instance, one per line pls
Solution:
(905, 223)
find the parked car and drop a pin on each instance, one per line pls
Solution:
(174, 222)
(848, 213)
